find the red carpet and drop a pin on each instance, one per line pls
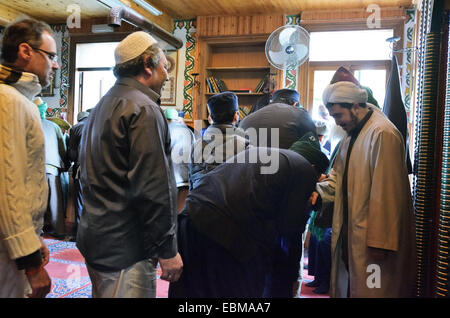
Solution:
(307, 292)
(69, 275)
(70, 278)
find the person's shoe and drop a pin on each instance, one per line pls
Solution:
(321, 290)
(313, 283)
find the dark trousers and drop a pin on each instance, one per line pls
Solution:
(284, 270)
(55, 215)
(312, 254)
(78, 199)
(323, 266)
(210, 271)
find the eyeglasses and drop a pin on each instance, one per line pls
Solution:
(52, 56)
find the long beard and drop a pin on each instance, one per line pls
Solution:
(354, 122)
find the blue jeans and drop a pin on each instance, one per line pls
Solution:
(136, 281)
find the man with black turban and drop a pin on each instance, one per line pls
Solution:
(221, 140)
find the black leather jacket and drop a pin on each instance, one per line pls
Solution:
(73, 145)
(129, 189)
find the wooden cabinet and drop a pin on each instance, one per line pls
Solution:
(235, 57)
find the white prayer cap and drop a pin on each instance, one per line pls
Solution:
(132, 46)
(344, 92)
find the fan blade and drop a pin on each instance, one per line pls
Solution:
(300, 51)
(285, 36)
(278, 58)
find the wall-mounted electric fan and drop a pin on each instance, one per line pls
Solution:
(288, 47)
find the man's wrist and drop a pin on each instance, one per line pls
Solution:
(34, 271)
(32, 260)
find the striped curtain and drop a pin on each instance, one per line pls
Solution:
(426, 170)
(443, 259)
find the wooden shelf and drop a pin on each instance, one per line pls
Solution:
(232, 49)
(236, 63)
(239, 68)
(239, 94)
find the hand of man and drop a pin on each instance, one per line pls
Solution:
(45, 252)
(171, 268)
(313, 198)
(40, 283)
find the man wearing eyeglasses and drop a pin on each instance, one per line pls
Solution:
(28, 64)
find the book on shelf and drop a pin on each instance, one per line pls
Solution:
(243, 90)
(212, 85)
(216, 85)
(262, 85)
(210, 88)
(221, 85)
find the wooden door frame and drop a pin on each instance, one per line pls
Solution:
(350, 65)
(83, 38)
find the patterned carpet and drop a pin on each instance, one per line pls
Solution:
(69, 275)
(70, 278)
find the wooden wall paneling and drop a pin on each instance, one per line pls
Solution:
(222, 30)
(399, 31)
(190, 9)
(354, 19)
(246, 56)
(243, 25)
(210, 26)
(232, 48)
(233, 23)
(215, 27)
(202, 59)
(256, 25)
(303, 85)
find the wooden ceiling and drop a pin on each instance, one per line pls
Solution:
(55, 11)
(192, 8)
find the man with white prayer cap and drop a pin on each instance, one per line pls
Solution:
(373, 243)
(128, 224)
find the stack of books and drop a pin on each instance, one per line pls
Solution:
(263, 85)
(215, 85)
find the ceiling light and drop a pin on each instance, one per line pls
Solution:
(147, 7)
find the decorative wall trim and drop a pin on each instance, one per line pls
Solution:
(291, 76)
(189, 26)
(58, 103)
(407, 74)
